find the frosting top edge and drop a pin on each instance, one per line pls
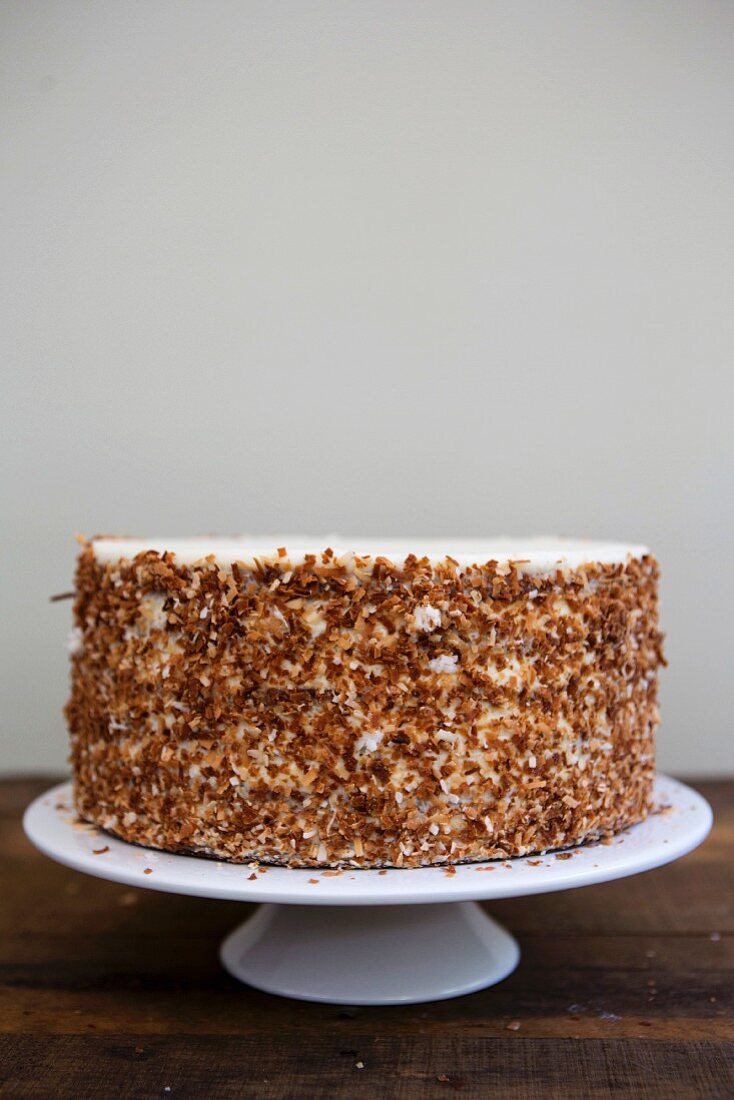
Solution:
(533, 554)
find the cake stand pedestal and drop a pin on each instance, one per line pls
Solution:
(371, 937)
(389, 955)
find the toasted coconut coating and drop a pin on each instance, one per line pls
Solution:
(354, 711)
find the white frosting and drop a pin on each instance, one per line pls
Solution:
(427, 618)
(537, 554)
(444, 663)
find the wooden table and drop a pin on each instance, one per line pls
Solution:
(624, 989)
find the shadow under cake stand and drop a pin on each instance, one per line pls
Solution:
(371, 937)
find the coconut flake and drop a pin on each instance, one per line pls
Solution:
(369, 742)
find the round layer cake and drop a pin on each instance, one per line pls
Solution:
(363, 704)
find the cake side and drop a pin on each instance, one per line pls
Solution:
(334, 710)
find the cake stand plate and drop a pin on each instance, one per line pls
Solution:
(371, 937)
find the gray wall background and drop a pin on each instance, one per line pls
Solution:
(408, 268)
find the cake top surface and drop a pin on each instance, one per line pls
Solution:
(535, 553)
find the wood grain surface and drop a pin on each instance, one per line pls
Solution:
(624, 990)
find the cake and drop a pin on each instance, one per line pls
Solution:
(363, 704)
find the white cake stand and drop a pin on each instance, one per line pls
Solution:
(370, 937)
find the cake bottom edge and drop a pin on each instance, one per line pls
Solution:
(151, 836)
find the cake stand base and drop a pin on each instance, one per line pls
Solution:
(359, 937)
(390, 954)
